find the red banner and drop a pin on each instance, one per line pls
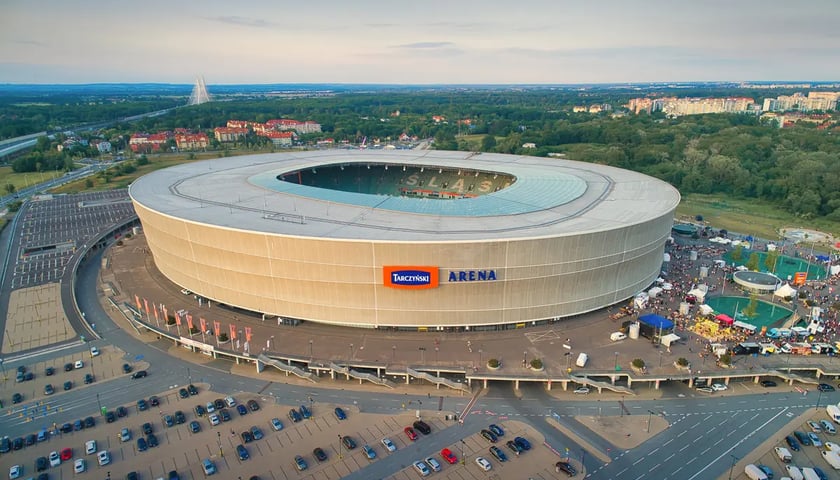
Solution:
(146, 304)
(247, 334)
(166, 315)
(178, 319)
(189, 321)
(232, 332)
(799, 278)
(203, 324)
(217, 326)
(156, 314)
(139, 305)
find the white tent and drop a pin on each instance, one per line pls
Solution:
(667, 340)
(666, 257)
(699, 294)
(654, 292)
(641, 300)
(785, 291)
(706, 310)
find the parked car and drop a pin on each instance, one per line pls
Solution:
(276, 424)
(497, 430)
(152, 440)
(320, 454)
(94, 352)
(828, 427)
(49, 371)
(195, 427)
(183, 393)
(422, 427)
(348, 442)
(41, 464)
(122, 411)
(168, 420)
(566, 468)
(125, 435)
(126, 368)
(490, 436)
(242, 410)
(300, 463)
(498, 453)
(247, 437)
(410, 433)
(719, 387)
(142, 446)
(422, 468)
(339, 414)
(768, 383)
(79, 466)
(256, 433)
(803, 438)
(253, 405)
(814, 426)
(192, 389)
(199, 411)
(581, 390)
(139, 374)
(208, 466)
(68, 385)
(219, 403)
(230, 401)
(242, 452)
(110, 417)
(55, 459)
(142, 405)
(103, 457)
(90, 447)
(147, 428)
(180, 417)
(815, 440)
(369, 452)
(448, 456)
(305, 412)
(388, 444)
(514, 447)
(224, 414)
(483, 463)
(68, 367)
(48, 389)
(523, 443)
(79, 364)
(824, 387)
(294, 416)
(15, 472)
(154, 401)
(792, 443)
(214, 419)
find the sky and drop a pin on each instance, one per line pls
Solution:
(423, 42)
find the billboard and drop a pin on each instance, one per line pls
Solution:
(410, 277)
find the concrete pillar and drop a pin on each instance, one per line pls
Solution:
(629, 382)
(565, 384)
(656, 384)
(485, 383)
(548, 386)
(332, 374)
(613, 378)
(755, 379)
(516, 384)
(407, 379)
(726, 380)
(691, 382)
(237, 359)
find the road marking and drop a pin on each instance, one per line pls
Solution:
(654, 467)
(704, 451)
(672, 456)
(684, 447)
(619, 473)
(666, 443)
(682, 433)
(691, 461)
(733, 447)
(638, 461)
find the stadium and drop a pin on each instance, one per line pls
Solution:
(406, 239)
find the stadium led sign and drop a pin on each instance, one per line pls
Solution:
(410, 278)
(472, 276)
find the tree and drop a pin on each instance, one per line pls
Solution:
(752, 263)
(738, 253)
(488, 143)
(726, 359)
(536, 364)
(638, 363)
(751, 310)
(88, 183)
(682, 362)
(770, 261)
(493, 363)
(10, 188)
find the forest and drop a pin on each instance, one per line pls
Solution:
(733, 154)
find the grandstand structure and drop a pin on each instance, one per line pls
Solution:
(421, 240)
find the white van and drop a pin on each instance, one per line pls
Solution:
(833, 412)
(581, 360)
(794, 473)
(617, 336)
(810, 474)
(833, 459)
(754, 472)
(783, 454)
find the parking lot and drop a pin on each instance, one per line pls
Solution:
(35, 319)
(53, 227)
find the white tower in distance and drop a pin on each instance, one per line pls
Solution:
(199, 94)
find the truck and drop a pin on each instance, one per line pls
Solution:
(754, 472)
(833, 412)
(581, 360)
(833, 458)
(746, 348)
(783, 454)
(810, 474)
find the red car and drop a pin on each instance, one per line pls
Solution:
(410, 433)
(449, 456)
(66, 454)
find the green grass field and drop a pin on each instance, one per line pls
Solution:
(23, 180)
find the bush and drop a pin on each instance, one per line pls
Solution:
(803, 294)
(223, 337)
(536, 364)
(493, 363)
(682, 361)
(170, 321)
(193, 330)
(726, 359)
(638, 363)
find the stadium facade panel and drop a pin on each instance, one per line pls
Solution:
(255, 233)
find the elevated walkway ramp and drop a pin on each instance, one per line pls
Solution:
(794, 377)
(362, 376)
(285, 367)
(439, 380)
(601, 385)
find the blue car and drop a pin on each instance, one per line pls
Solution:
(339, 414)
(304, 412)
(523, 443)
(497, 430)
(294, 416)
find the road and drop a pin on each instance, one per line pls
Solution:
(704, 432)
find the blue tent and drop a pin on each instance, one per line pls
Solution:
(656, 321)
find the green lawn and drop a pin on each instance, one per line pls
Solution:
(23, 180)
(767, 314)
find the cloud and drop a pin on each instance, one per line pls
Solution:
(30, 42)
(425, 45)
(243, 21)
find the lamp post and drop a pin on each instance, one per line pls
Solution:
(650, 413)
(393, 353)
(480, 356)
(732, 466)
(463, 455)
(660, 358)
(422, 354)
(339, 447)
(819, 397)
(310, 347)
(525, 358)
(100, 404)
(351, 355)
(219, 437)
